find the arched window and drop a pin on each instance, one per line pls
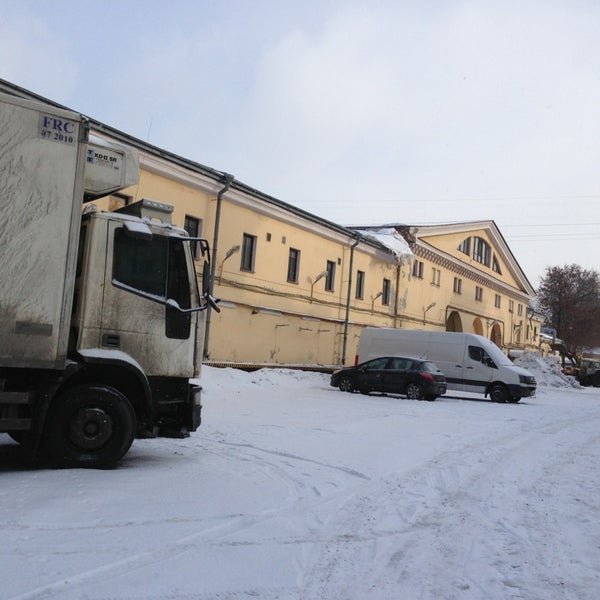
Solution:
(465, 246)
(496, 265)
(481, 251)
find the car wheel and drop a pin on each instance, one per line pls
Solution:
(90, 426)
(346, 384)
(498, 393)
(414, 391)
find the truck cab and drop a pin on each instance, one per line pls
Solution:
(100, 312)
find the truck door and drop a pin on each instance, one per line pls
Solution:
(145, 278)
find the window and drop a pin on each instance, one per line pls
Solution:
(457, 285)
(480, 355)
(520, 310)
(376, 364)
(496, 265)
(194, 228)
(329, 281)
(465, 247)
(293, 265)
(248, 252)
(360, 285)
(435, 277)
(498, 301)
(155, 269)
(511, 306)
(481, 251)
(402, 364)
(418, 269)
(141, 264)
(385, 295)
(478, 293)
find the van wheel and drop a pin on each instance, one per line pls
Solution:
(90, 426)
(414, 391)
(498, 393)
(346, 384)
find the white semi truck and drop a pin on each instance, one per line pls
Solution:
(100, 312)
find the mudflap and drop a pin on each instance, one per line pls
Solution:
(196, 393)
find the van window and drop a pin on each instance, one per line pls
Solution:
(480, 355)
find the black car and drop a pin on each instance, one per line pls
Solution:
(415, 378)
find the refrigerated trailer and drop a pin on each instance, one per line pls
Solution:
(100, 312)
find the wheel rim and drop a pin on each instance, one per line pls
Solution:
(413, 391)
(90, 428)
(345, 385)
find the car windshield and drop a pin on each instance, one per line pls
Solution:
(429, 367)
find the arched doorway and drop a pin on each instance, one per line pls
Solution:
(496, 335)
(454, 322)
(477, 326)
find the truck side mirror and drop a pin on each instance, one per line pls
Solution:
(212, 302)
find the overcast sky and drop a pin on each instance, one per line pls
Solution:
(414, 112)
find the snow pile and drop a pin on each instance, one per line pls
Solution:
(217, 378)
(547, 371)
(390, 238)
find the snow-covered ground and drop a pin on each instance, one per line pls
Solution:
(292, 489)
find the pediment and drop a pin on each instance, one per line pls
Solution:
(478, 245)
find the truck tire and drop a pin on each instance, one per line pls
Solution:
(90, 426)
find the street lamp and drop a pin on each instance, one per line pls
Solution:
(377, 295)
(317, 278)
(228, 254)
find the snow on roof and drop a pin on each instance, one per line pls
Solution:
(391, 239)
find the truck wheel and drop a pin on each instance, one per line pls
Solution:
(90, 426)
(498, 393)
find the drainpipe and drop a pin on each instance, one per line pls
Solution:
(213, 263)
(397, 302)
(347, 317)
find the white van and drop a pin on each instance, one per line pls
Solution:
(471, 363)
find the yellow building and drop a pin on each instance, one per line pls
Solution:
(296, 289)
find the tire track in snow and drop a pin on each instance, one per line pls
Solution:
(445, 506)
(223, 531)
